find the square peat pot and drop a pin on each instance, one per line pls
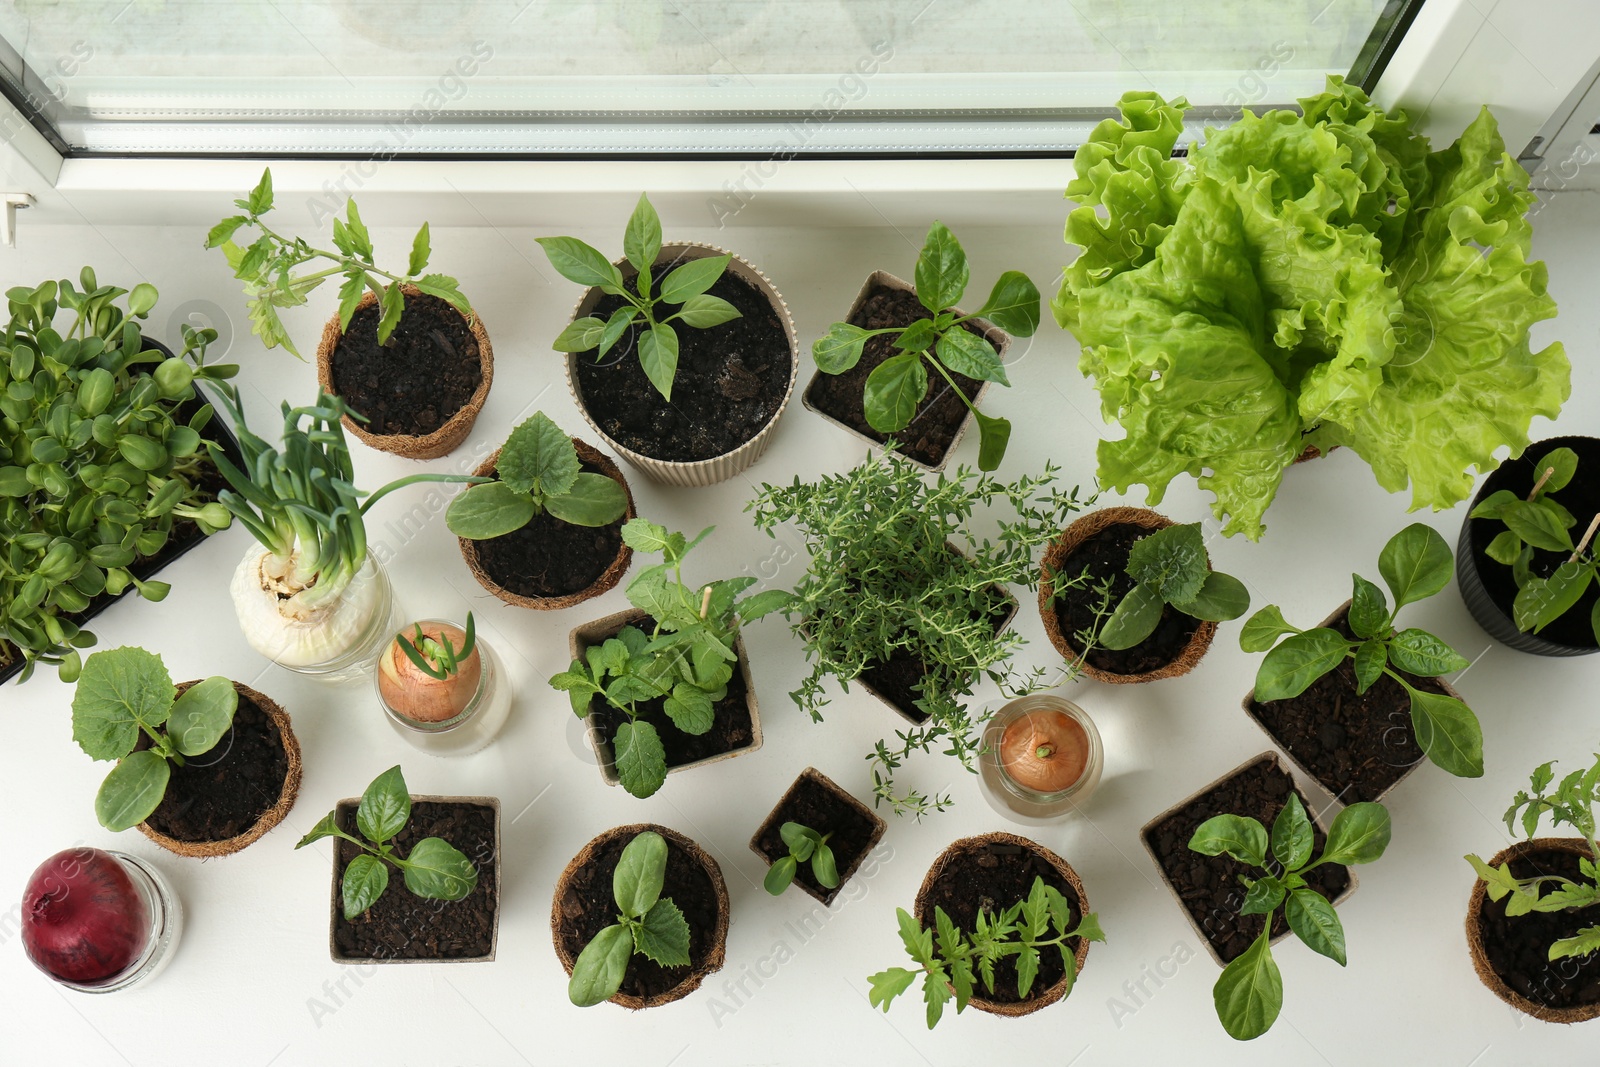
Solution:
(1250, 789)
(594, 633)
(1384, 744)
(817, 801)
(403, 928)
(1000, 339)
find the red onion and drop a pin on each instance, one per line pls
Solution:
(83, 919)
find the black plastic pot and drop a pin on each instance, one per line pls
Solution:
(216, 430)
(1487, 586)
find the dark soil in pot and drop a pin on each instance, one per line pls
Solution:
(551, 558)
(731, 725)
(1355, 746)
(1209, 886)
(939, 414)
(817, 802)
(1517, 948)
(222, 793)
(403, 926)
(896, 678)
(588, 906)
(731, 380)
(1581, 497)
(419, 380)
(1105, 555)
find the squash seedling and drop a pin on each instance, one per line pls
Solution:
(648, 924)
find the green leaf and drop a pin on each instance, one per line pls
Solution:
(1263, 629)
(1134, 619)
(393, 304)
(1027, 970)
(886, 985)
(780, 874)
(593, 500)
(132, 790)
(491, 509)
(942, 272)
(1536, 525)
(1291, 667)
(641, 241)
(202, 715)
(1242, 838)
(616, 326)
(1359, 834)
(1291, 834)
(1263, 896)
(824, 869)
(598, 972)
(445, 288)
(693, 278)
(539, 458)
(1249, 993)
(1315, 922)
(1584, 942)
(1221, 597)
(224, 230)
(690, 709)
(1565, 462)
(581, 335)
(1505, 548)
(663, 935)
(260, 199)
(802, 841)
(1448, 732)
(765, 603)
(705, 310)
(385, 807)
(365, 879)
(1371, 658)
(640, 873)
(993, 436)
(1420, 653)
(658, 353)
(141, 299)
(118, 692)
(1369, 611)
(1544, 600)
(1489, 507)
(420, 250)
(1499, 881)
(1415, 564)
(437, 870)
(1172, 559)
(640, 758)
(1013, 304)
(893, 390)
(642, 535)
(839, 349)
(969, 354)
(142, 452)
(579, 262)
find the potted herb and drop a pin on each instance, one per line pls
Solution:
(903, 597)
(872, 369)
(442, 689)
(816, 837)
(681, 356)
(1525, 571)
(545, 531)
(601, 918)
(666, 686)
(308, 595)
(405, 351)
(104, 473)
(1355, 702)
(202, 768)
(1140, 601)
(1227, 342)
(1533, 902)
(445, 849)
(1026, 954)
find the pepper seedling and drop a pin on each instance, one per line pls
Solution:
(648, 924)
(1249, 992)
(952, 965)
(1415, 564)
(1171, 567)
(124, 693)
(435, 869)
(685, 286)
(896, 386)
(804, 844)
(1571, 803)
(538, 470)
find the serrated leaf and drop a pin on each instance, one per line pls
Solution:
(690, 709)
(1173, 560)
(641, 760)
(539, 458)
(886, 985)
(663, 935)
(119, 691)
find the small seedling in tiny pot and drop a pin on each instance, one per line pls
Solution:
(897, 385)
(804, 844)
(435, 869)
(952, 965)
(646, 304)
(126, 693)
(648, 925)
(1249, 992)
(1571, 803)
(1415, 564)
(538, 471)
(1171, 567)
(431, 674)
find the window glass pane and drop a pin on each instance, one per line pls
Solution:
(683, 75)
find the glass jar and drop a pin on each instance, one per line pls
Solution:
(475, 726)
(1018, 801)
(165, 913)
(355, 629)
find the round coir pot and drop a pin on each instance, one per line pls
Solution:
(453, 430)
(608, 578)
(1056, 555)
(986, 851)
(269, 818)
(707, 947)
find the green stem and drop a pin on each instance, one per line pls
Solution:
(946, 374)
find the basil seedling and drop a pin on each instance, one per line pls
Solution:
(647, 924)
(804, 844)
(538, 471)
